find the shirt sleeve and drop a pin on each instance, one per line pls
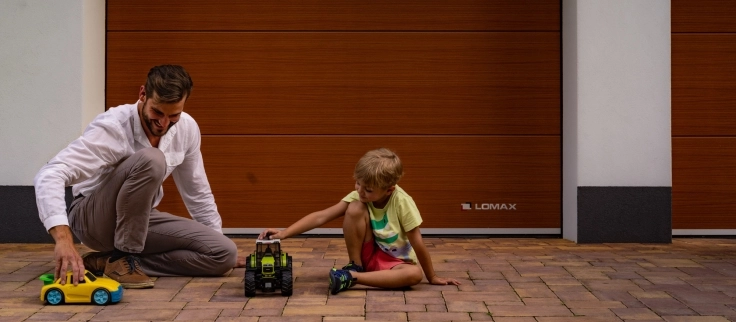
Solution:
(191, 181)
(98, 148)
(352, 196)
(409, 216)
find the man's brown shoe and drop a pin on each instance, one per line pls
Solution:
(127, 271)
(95, 262)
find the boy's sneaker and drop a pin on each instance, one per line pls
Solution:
(127, 271)
(340, 280)
(95, 262)
(353, 267)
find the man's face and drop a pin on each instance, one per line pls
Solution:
(160, 117)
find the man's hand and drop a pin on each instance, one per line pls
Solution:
(271, 233)
(66, 255)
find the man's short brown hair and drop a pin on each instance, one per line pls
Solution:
(168, 83)
(380, 168)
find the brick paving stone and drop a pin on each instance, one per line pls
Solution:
(386, 307)
(594, 312)
(295, 318)
(262, 312)
(199, 315)
(514, 319)
(695, 319)
(436, 307)
(635, 313)
(526, 310)
(475, 316)
(324, 310)
(712, 309)
(580, 319)
(386, 316)
(594, 304)
(576, 296)
(136, 315)
(663, 306)
(55, 316)
(237, 319)
(466, 306)
(438, 316)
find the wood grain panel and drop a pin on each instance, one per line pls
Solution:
(334, 15)
(703, 183)
(703, 84)
(271, 181)
(353, 83)
(703, 16)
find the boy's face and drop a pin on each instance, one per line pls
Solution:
(371, 194)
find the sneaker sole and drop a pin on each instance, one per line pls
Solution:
(334, 285)
(140, 285)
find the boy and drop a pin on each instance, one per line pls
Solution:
(381, 229)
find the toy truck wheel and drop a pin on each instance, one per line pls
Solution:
(101, 296)
(287, 283)
(54, 296)
(250, 283)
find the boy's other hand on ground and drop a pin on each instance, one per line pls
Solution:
(240, 262)
(443, 281)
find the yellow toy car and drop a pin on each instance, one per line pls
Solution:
(97, 290)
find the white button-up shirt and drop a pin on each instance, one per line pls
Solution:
(110, 138)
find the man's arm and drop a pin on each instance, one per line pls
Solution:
(98, 147)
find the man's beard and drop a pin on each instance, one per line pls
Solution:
(149, 123)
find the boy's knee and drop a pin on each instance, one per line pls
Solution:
(356, 209)
(416, 275)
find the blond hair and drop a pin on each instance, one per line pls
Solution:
(380, 168)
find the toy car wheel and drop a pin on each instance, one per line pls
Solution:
(287, 283)
(101, 296)
(250, 283)
(54, 296)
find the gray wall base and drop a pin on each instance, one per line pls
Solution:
(624, 214)
(19, 215)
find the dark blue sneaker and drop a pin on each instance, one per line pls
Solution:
(340, 280)
(353, 267)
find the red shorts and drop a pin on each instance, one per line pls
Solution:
(374, 259)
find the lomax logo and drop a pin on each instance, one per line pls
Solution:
(487, 206)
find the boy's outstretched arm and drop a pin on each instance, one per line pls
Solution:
(415, 238)
(308, 222)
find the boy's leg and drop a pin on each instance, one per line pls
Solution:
(401, 275)
(356, 229)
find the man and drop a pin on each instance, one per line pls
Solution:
(116, 169)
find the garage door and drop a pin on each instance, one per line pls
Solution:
(290, 94)
(703, 117)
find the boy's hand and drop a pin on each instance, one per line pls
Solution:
(270, 233)
(443, 281)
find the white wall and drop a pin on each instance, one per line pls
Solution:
(52, 60)
(616, 97)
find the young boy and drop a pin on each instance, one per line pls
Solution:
(381, 229)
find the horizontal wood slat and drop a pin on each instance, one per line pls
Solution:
(334, 15)
(703, 183)
(703, 85)
(271, 181)
(703, 16)
(353, 83)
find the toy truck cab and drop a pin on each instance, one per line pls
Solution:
(268, 269)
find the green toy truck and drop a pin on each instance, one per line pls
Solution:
(268, 269)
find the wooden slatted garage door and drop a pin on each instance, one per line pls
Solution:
(290, 94)
(703, 114)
